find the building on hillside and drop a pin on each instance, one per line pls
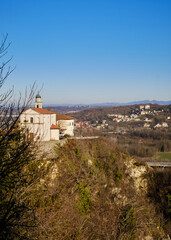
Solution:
(66, 124)
(146, 125)
(147, 106)
(46, 125)
(164, 124)
(158, 125)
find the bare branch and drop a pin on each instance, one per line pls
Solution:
(3, 51)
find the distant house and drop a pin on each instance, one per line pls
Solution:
(158, 125)
(164, 124)
(144, 112)
(147, 107)
(146, 125)
(45, 125)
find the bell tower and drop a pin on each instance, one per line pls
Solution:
(38, 102)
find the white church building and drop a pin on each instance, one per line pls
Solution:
(46, 125)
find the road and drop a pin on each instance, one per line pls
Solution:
(159, 164)
(89, 137)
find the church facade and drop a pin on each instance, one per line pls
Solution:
(46, 125)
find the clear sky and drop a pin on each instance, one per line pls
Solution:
(90, 51)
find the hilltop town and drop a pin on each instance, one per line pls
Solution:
(122, 119)
(143, 131)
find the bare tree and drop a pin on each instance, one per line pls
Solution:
(16, 153)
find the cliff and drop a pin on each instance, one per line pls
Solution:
(91, 190)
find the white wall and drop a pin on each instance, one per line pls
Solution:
(41, 123)
(54, 134)
(68, 125)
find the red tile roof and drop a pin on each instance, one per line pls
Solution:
(42, 111)
(54, 127)
(62, 130)
(63, 117)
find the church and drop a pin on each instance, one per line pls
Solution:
(46, 125)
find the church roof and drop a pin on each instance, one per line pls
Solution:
(63, 117)
(54, 127)
(43, 111)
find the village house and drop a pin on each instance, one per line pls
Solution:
(144, 112)
(147, 107)
(146, 125)
(164, 124)
(141, 107)
(44, 124)
(158, 125)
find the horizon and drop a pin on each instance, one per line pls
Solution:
(89, 51)
(144, 102)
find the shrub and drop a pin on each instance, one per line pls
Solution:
(127, 229)
(85, 201)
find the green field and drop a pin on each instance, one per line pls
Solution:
(164, 156)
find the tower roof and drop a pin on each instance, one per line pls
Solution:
(38, 96)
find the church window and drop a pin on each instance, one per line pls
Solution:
(31, 119)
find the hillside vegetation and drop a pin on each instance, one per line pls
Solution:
(90, 190)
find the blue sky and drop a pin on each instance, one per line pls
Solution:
(90, 51)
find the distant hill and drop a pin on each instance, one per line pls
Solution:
(109, 104)
(79, 107)
(71, 108)
(133, 103)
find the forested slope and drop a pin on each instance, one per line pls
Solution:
(90, 190)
